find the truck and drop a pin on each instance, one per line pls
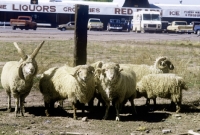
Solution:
(114, 24)
(196, 27)
(23, 22)
(95, 23)
(180, 27)
(144, 21)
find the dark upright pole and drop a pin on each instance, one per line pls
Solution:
(80, 34)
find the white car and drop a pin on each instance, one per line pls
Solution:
(68, 26)
(95, 23)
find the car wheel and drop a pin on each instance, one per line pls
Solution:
(198, 32)
(34, 28)
(63, 29)
(108, 28)
(142, 31)
(14, 28)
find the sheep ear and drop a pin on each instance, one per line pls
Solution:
(100, 64)
(121, 69)
(20, 51)
(20, 72)
(35, 52)
(91, 68)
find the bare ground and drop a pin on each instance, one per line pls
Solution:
(151, 123)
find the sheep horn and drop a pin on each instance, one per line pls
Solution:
(35, 52)
(20, 51)
(158, 63)
(170, 65)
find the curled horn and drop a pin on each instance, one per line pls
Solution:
(158, 63)
(20, 51)
(35, 52)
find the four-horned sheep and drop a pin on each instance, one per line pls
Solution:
(73, 83)
(167, 86)
(17, 78)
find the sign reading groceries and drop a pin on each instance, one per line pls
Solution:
(69, 9)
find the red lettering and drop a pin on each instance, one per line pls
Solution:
(25, 7)
(31, 8)
(117, 11)
(46, 9)
(39, 8)
(123, 11)
(130, 11)
(98, 10)
(13, 7)
(52, 8)
(2, 6)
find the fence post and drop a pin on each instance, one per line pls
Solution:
(80, 34)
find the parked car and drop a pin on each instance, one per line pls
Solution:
(196, 27)
(23, 22)
(67, 26)
(114, 24)
(125, 25)
(95, 24)
(164, 26)
(180, 27)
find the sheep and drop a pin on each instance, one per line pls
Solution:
(161, 65)
(117, 85)
(17, 78)
(73, 83)
(167, 86)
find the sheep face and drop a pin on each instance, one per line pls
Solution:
(84, 73)
(28, 69)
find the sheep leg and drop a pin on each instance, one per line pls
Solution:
(46, 105)
(16, 106)
(74, 108)
(22, 105)
(178, 107)
(117, 107)
(133, 106)
(107, 109)
(9, 102)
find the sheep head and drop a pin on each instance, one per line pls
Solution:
(83, 73)
(111, 71)
(28, 66)
(164, 64)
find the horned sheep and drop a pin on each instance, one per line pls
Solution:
(167, 86)
(73, 83)
(17, 78)
(118, 85)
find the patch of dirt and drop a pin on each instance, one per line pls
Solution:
(62, 123)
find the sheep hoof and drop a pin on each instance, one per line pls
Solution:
(75, 117)
(47, 113)
(117, 118)
(9, 110)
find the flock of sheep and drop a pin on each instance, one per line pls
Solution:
(109, 82)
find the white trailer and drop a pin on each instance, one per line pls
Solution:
(147, 21)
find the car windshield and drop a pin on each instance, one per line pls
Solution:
(115, 21)
(95, 21)
(151, 17)
(180, 23)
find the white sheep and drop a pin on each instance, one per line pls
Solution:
(161, 65)
(17, 78)
(117, 85)
(73, 83)
(164, 86)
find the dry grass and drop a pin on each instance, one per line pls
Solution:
(184, 54)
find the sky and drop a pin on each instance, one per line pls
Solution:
(184, 2)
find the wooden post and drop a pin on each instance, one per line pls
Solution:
(80, 34)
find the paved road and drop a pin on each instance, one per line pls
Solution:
(7, 34)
